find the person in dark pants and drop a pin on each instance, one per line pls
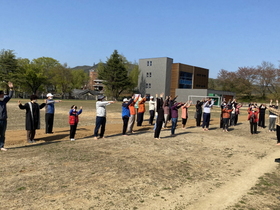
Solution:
(3, 115)
(151, 110)
(73, 120)
(160, 117)
(253, 118)
(207, 105)
(262, 109)
(141, 110)
(198, 114)
(126, 114)
(32, 120)
(49, 115)
(101, 116)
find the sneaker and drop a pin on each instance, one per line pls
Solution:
(29, 141)
(3, 149)
(72, 139)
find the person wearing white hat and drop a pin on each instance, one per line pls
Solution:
(49, 115)
(125, 114)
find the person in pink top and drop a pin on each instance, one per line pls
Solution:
(184, 114)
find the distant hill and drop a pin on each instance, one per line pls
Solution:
(85, 67)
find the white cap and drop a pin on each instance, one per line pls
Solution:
(49, 95)
(125, 100)
(151, 97)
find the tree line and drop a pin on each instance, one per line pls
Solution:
(46, 74)
(261, 82)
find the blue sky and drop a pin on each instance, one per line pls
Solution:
(213, 34)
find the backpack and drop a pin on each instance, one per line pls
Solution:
(252, 118)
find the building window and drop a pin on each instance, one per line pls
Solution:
(150, 85)
(150, 74)
(149, 63)
(185, 80)
(147, 85)
(147, 74)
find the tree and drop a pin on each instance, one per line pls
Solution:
(31, 75)
(115, 75)
(8, 66)
(133, 76)
(62, 78)
(79, 78)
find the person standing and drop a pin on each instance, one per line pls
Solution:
(132, 111)
(277, 112)
(166, 110)
(125, 114)
(49, 115)
(32, 119)
(198, 113)
(73, 120)
(151, 110)
(174, 117)
(226, 117)
(141, 110)
(160, 116)
(262, 109)
(184, 113)
(3, 114)
(272, 116)
(101, 116)
(253, 118)
(207, 113)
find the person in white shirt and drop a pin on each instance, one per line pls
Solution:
(101, 116)
(151, 110)
(207, 105)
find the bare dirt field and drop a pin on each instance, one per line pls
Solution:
(193, 170)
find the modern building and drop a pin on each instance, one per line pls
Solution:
(95, 83)
(161, 75)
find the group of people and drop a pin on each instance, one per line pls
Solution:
(163, 110)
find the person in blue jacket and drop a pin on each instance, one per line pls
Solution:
(126, 113)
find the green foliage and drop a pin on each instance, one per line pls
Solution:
(32, 76)
(79, 78)
(8, 67)
(115, 75)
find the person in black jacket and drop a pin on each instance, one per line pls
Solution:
(32, 120)
(160, 117)
(198, 113)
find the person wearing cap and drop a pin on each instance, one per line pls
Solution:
(125, 114)
(272, 116)
(277, 113)
(49, 114)
(101, 116)
(3, 114)
(32, 120)
(152, 104)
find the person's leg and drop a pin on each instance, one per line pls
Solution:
(255, 127)
(103, 124)
(251, 128)
(125, 123)
(236, 119)
(28, 136)
(273, 124)
(208, 116)
(138, 119)
(278, 134)
(164, 125)
(51, 119)
(97, 126)
(32, 135)
(71, 131)
(74, 130)
(47, 122)
(226, 123)
(3, 127)
(198, 120)
(270, 124)
(129, 125)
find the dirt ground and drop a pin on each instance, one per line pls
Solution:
(194, 170)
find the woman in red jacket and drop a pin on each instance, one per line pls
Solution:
(253, 118)
(73, 120)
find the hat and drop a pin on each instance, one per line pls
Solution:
(100, 97)
(125, 100)
(151, 96)
(49, 95)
